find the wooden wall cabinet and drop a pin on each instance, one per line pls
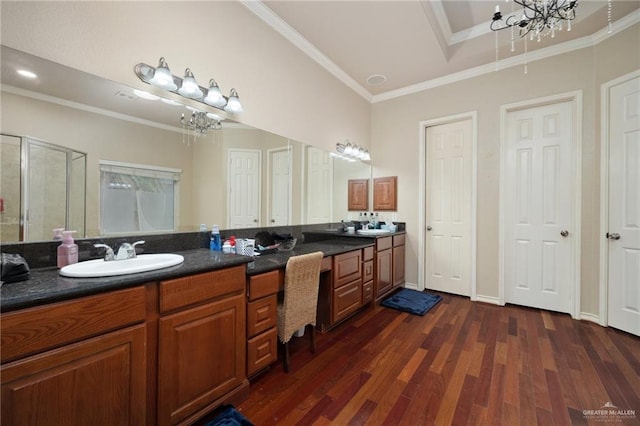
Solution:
(385, 193)
(358, 195)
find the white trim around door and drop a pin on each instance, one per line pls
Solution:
(422, 225)
(575, 98)
(603, 308)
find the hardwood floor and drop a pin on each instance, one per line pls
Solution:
(462, 363)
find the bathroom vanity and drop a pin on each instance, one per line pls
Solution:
(161, 347)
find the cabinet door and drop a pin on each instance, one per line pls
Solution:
(383, 281)
(261, 315)
(385, 193)
(398, 266)
(358, 194)
(346, 300)
(99, 381)
(347, 267)
(201, 356)
(262, 351)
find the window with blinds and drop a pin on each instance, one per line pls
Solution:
(137, 198)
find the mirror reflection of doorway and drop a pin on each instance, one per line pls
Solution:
(36, 196)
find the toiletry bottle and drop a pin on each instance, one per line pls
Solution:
(68, 250)
(232, 241)
(215, 243)
(57, 234)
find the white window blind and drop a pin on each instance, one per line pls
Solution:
(137, 198)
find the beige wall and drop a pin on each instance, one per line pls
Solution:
(395, 144)
(283, 91)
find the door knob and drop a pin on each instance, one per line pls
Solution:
(273, 221)
(429, 228)
(564, 233)
(613, 236)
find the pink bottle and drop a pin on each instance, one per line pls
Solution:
(68, 250)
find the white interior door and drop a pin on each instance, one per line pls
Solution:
(624, 207)
(244, 188)
(280, 187)
(319, 194)
(448, 207)
(537, 207)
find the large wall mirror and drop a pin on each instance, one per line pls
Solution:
(236, 177)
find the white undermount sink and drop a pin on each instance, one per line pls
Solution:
(102, 268)
(373, 231)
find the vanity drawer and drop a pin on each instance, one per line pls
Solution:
(367, 292)
(384, 243)
(263, 285)
(34, 330)
(347, 267)
(262, 351)
(367, 273)
(261, 315)
(194, 289)
(367, 253)
(398, 240)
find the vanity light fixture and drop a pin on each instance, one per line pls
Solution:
(188, 87)
(353, 152)
(233, 103)
(214, 96)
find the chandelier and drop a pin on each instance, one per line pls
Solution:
(536, 19)
(201, 122)
(188, 87)
(539, 17)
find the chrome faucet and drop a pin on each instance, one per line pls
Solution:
(126, 251)
(109, 256)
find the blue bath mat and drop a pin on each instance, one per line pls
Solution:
(412, 301)
(229, 417)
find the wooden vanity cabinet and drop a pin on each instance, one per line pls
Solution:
(398, 260)
(347, 284)
(367, 274)
(201, 343)
(76, 362)
(262, 332)
(383, 281)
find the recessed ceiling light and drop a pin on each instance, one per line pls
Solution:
(145, 95)
(27, 74)
(376, 79)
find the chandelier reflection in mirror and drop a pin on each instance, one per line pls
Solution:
(351, 152)
(188, 87)
(198, 124)
(534, 19)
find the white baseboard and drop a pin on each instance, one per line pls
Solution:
(488, 299)
(590, 317)
(412, 286)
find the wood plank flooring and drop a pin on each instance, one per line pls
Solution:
(462, 363)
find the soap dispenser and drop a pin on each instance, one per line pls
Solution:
(68, 250)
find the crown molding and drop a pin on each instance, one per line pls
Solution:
(536, 55)
(294, 37)
(287, 31)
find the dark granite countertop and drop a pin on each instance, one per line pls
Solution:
(45, 285)
(269, 262)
